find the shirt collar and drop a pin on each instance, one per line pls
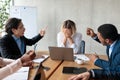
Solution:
(15, 37)
(113, 44)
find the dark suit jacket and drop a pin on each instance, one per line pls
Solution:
(9, 48)
(110, 73)
(111, 67)
(113, 60)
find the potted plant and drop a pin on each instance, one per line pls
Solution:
(4, 12)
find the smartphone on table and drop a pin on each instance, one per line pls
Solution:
(74, 70)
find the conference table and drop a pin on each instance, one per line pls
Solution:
(56, 67)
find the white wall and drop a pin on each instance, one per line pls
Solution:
(85, 13)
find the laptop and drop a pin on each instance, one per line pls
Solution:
(61, 53)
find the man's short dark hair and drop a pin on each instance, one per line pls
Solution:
(12, 23)
(108, 31)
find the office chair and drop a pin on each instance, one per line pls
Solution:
(82, 47)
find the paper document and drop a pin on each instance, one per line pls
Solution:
(82, 57)
(39, 60)
(21, 74)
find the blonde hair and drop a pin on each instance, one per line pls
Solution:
(69, 24)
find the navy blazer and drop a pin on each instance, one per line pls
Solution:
(9, 47)
(111, 68)
(113, 60)
(110, 73)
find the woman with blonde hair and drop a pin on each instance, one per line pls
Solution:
(68, 37)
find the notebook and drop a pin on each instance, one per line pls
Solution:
(21, 74)
(61, 53)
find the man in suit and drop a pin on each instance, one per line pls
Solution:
(109, 37)
(13, 44)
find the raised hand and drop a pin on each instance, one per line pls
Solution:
(90, 32)
(42, 32)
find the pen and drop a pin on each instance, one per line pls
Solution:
(35, 47)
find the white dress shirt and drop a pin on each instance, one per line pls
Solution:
(12, 67)
(77, 37)
(111, 48)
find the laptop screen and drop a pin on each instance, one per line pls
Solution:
(61, 53)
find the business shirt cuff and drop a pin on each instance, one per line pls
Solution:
(92, 74)
(95, 60)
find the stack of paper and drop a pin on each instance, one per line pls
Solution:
(39, 60)
(82, 57)
(21, 74)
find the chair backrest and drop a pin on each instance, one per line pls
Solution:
(82, 47)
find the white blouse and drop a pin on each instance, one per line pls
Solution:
(77, 37)
(8, 67)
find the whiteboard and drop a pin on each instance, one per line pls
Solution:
(28, 16)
